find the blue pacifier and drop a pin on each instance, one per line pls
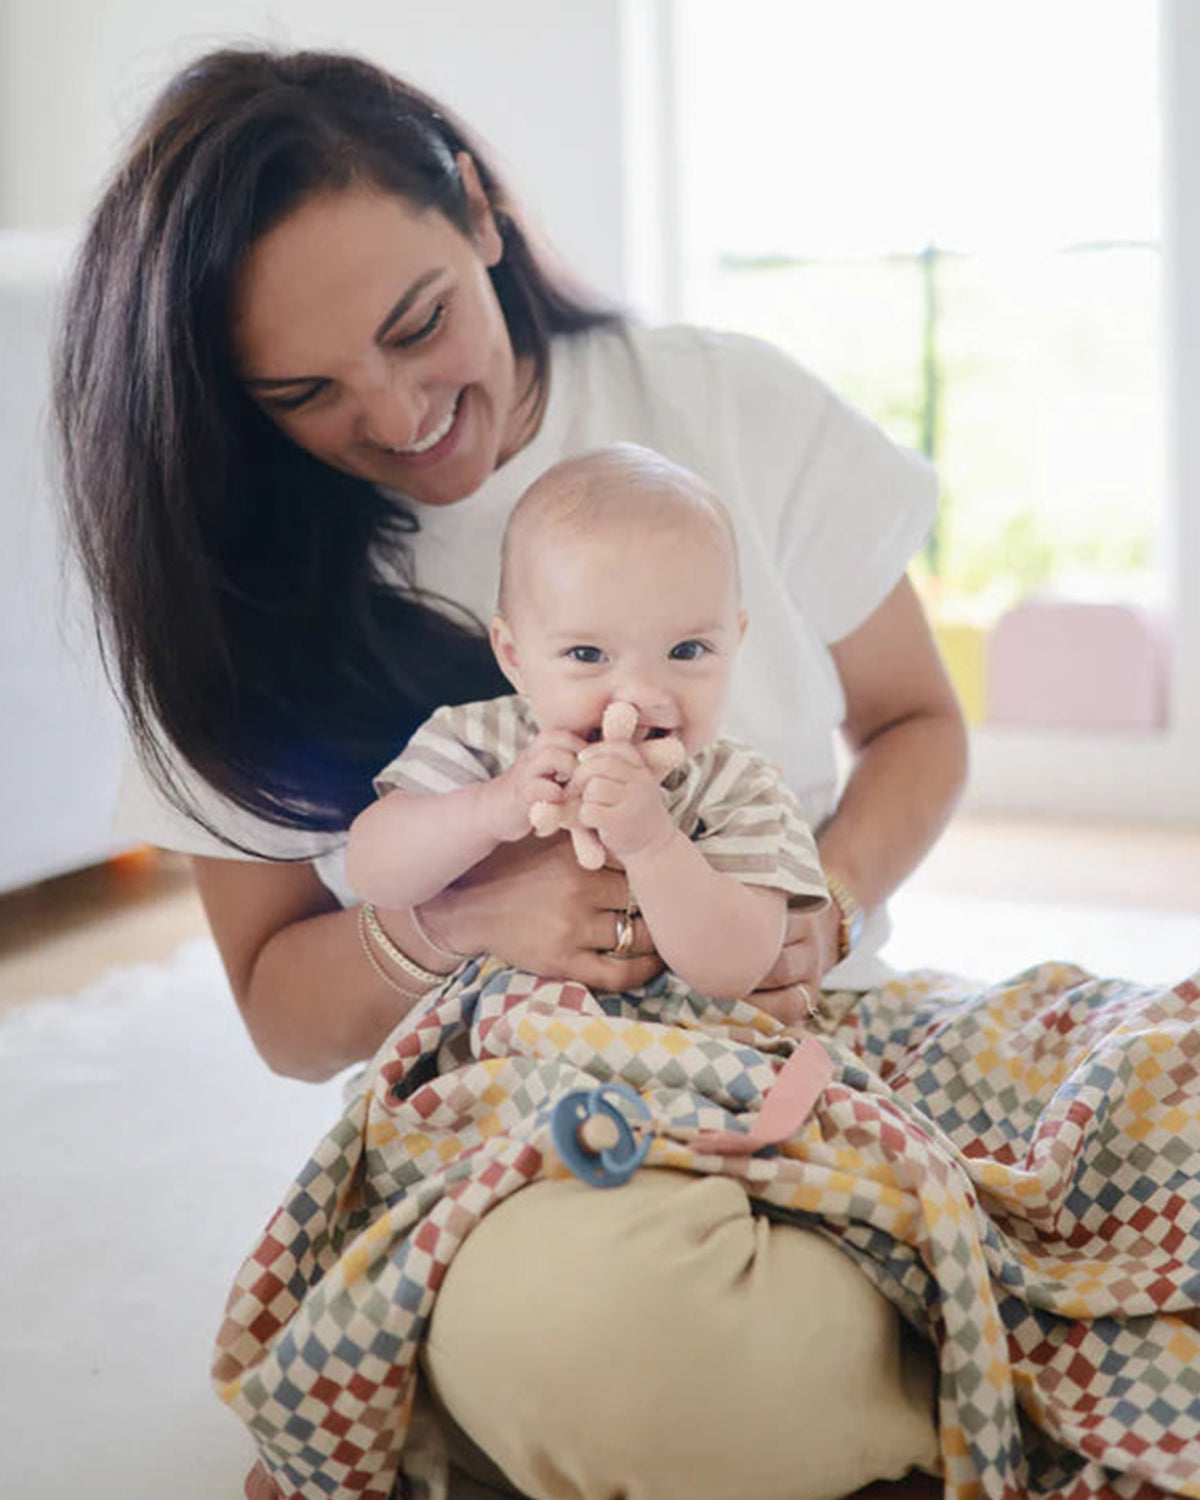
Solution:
(596, 1141)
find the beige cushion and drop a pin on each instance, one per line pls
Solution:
(659, 1340)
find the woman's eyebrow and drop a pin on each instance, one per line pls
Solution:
(398, 310)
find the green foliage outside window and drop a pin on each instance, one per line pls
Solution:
(1032, 382)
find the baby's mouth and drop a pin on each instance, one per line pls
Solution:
(654, 732)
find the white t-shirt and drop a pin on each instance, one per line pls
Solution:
(828, 512)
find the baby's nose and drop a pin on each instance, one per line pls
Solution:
(648, 694)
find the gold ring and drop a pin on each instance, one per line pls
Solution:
(624, 942)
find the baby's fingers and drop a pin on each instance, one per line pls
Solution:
(543, 791)
(550, 763)
(612, 753)
(563, 739)
(598, 793)
(617, 764)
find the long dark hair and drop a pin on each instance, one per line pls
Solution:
(239, 612)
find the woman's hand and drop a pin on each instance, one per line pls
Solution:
(810, 945)
(531, 904)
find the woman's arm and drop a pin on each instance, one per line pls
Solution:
(310, 998)
(905, 729)
(306, 990)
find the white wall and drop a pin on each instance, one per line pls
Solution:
(544, 82)
(541, 80)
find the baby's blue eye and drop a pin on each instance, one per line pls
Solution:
(688, 650)
(589, 655)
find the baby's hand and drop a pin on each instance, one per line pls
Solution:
(538, 776)
(619, 797)
(661, 755)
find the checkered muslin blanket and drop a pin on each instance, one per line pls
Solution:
(1016, 1168)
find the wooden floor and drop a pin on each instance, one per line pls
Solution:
(58, 936)
(1093, 864)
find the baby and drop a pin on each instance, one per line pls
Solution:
(619, 586)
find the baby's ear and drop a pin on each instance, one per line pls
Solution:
(743, 621)
(504, 648)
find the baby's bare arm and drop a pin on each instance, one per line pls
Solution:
(718, 934)
(408, 846)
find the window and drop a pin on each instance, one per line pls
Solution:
(955, 214)
(952, 213)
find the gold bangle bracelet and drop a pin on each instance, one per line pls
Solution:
(392, 984)
(423, 933)
(428, 978)
(850, 913)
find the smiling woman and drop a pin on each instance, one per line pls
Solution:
(310, 362)
(304, 304)
(404, 372)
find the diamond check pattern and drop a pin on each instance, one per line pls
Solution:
(1017, 1168)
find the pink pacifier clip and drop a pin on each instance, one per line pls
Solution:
(785, 1107)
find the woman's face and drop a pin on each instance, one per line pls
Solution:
(369, 331)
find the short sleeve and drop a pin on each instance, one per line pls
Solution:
(748, 824)
(459, 745)
(862, 508)
(851, 506)
(217, 828)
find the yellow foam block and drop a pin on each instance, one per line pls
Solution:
(964, 650)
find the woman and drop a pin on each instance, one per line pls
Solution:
(309, 360)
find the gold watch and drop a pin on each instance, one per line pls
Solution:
(851, 917)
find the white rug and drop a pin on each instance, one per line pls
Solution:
(144, 1145)
(990, 940)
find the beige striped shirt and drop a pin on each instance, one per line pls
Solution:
(729, 800)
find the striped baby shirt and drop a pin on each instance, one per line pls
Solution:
(729, 800)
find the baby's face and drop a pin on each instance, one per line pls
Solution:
(649, 617)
